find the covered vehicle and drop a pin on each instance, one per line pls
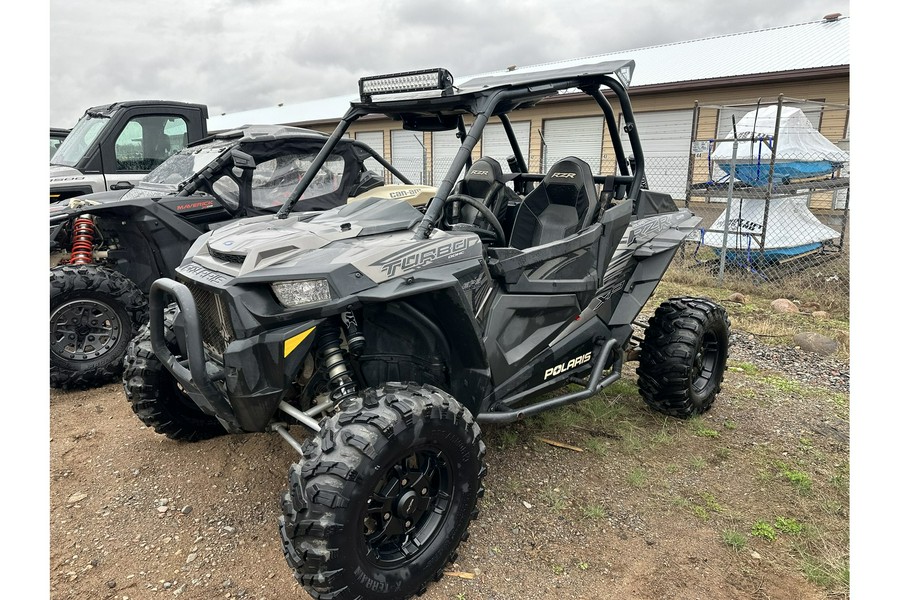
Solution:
(107, 248)
(390, 335)
(802, 152)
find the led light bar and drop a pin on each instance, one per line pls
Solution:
(399, 83)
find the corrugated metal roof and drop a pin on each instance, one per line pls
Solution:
(812, 45)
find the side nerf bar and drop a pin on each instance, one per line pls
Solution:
(199, 375)
(501, 413)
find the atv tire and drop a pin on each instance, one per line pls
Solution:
(94, 313)
(155, 396)
(683, 357)
(384, 496)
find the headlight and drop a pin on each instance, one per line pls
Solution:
(298, 293)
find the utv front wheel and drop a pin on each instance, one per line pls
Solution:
(384, 496)
(94, 312)
(155, 396)
(683, 356)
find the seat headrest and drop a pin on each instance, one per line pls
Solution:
(570, 182)
(481, 176)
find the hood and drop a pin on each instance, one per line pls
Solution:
(80, 203)
(266, 233)
(373, 237)
(59, 172)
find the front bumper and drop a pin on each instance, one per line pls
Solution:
(244, 386)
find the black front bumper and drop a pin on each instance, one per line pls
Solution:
(244, 386)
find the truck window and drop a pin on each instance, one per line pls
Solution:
(147, 141)
(79, 140)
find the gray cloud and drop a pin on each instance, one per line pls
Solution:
(237, 55)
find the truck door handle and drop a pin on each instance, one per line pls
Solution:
(121, 185)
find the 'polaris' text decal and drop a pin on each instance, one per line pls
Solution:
(563, 367)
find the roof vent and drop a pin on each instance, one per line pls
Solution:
(832, 17)
(511, 68)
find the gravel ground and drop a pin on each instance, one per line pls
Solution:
(805, 367)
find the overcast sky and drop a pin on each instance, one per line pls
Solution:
(238, 55)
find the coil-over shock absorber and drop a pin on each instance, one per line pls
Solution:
(331, 356)
(82, 241)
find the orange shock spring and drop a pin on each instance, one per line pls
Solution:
(82, 241)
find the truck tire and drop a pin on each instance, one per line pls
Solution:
(94, 313)
(683, 357)
(156, 397)
(384, 496)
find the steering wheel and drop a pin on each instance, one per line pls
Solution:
(495, 234)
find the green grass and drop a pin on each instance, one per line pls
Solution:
(764, 530)
(701, 429)
(829, 576)
(596, 445)
(594, 511)
(509, 437)
(748, 368)
(797, 478)
(734, 539)
(711, 502)
(789, 526)
(557, 499)
(788, 386)
(637, 477)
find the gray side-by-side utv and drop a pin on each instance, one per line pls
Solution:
(390, 335)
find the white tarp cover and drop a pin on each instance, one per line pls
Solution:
(798, 140)
(790, 225)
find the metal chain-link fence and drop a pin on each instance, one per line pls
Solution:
(774, 201)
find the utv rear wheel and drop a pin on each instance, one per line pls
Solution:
(684, 356)
(155, 396)
(94, 312)
(384, 496)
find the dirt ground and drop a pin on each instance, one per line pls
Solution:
(651, 508)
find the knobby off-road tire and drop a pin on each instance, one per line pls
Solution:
(384, 496)
(684, 355)
(94, 313)
(155, 396)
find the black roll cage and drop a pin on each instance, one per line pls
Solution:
(483, 104)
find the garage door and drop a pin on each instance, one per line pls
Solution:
(579, 136)
(408, 154)
(666, 138)
(444, 146)
(495, 143)
(375, 141)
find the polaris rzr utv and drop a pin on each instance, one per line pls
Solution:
(390, 335)
(107, 248)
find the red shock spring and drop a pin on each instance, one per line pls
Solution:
(82, 241)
